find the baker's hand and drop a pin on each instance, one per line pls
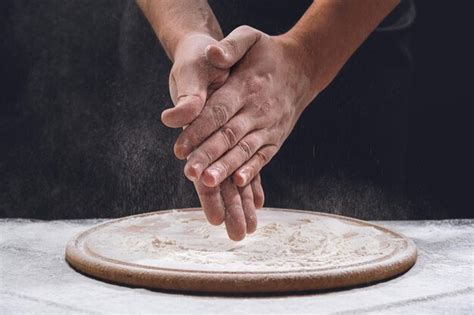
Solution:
(246, 121)
(192, 80)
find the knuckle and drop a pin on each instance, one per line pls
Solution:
(258, 192)
(245, 148)
(263, 157)
(229, 135)
(209, 156)
(207, 194)
(219, 114)
(233, 209)
(253, 170)
(245, 28)
(202, 155)
(231, 45)
(253, 84)
(188, 137)
(247, 198)
(222, 166)
(263, 109)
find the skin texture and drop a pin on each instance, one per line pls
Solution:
(250, 111)
(255, 110)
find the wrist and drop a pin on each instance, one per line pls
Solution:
(173, 43)
(311, 80)
(173, 20)
(316, 63)
(190, 42)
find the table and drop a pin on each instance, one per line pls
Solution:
(34, 278)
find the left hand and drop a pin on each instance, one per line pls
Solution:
(246, 121)
(192, 80)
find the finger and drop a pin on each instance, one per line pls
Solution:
(234, 215)
(233, 159)
(258, 194)
(211, 202)
(249, 170)
(248, 207)
(222, 106)
(216, 145)
(188, 89)
(231, 49)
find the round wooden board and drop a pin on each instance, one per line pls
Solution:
(291, 250)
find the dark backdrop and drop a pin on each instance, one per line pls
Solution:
(83, 84)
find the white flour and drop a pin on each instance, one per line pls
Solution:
(284, 241)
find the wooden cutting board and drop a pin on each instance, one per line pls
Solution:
(291, 250)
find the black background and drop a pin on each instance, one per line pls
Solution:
(81, 137)
(443, 119)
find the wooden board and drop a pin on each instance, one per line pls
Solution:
(291, 250)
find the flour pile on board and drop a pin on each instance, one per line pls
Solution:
(284, 241)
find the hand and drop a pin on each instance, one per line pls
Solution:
(247, 120)
(192, 80)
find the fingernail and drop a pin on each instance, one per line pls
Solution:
(184, 146)
(244, 174)
(197, 169)
(214, 174)
(184, 99)
(220, 49)
(223, 52)
(189, 173)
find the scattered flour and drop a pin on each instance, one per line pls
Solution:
(284, 241)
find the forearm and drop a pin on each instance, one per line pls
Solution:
(331, 30)
(174, 19)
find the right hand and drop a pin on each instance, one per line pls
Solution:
(192, 81)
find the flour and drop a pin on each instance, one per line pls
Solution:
(284, 241)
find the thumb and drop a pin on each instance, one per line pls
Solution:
(189, 92)
(231, 49)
